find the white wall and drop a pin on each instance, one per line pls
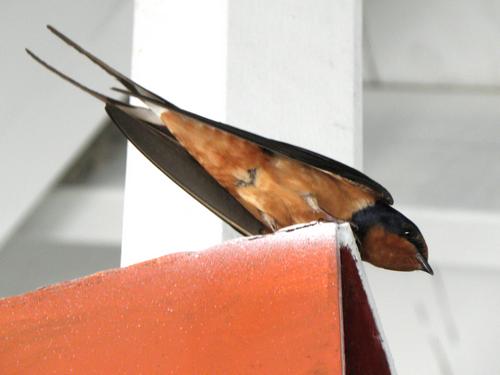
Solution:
(44, 121)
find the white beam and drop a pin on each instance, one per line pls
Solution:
(293, 73)
(92, 216)
(79, 215)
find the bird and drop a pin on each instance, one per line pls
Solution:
(255, 184)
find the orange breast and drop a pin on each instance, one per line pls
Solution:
(267, 184)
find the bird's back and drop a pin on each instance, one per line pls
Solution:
(277, 190)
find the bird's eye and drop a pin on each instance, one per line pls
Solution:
(407, 233)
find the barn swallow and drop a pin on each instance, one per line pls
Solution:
(258, 185)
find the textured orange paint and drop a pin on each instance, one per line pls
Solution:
(253, 306)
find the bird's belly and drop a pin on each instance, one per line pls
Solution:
(277, 190)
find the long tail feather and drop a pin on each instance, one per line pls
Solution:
(124, 80)
(144, 114)
(95, 94)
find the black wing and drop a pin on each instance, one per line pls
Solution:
(171, 158)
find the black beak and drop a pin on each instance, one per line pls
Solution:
(425, 264)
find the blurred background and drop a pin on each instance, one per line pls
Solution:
(431, 136)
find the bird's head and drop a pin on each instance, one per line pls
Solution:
(388, 239)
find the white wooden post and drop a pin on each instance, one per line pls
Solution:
(179, 52)
(294, 73)
(289, 70)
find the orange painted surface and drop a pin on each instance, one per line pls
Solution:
(263, 306)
